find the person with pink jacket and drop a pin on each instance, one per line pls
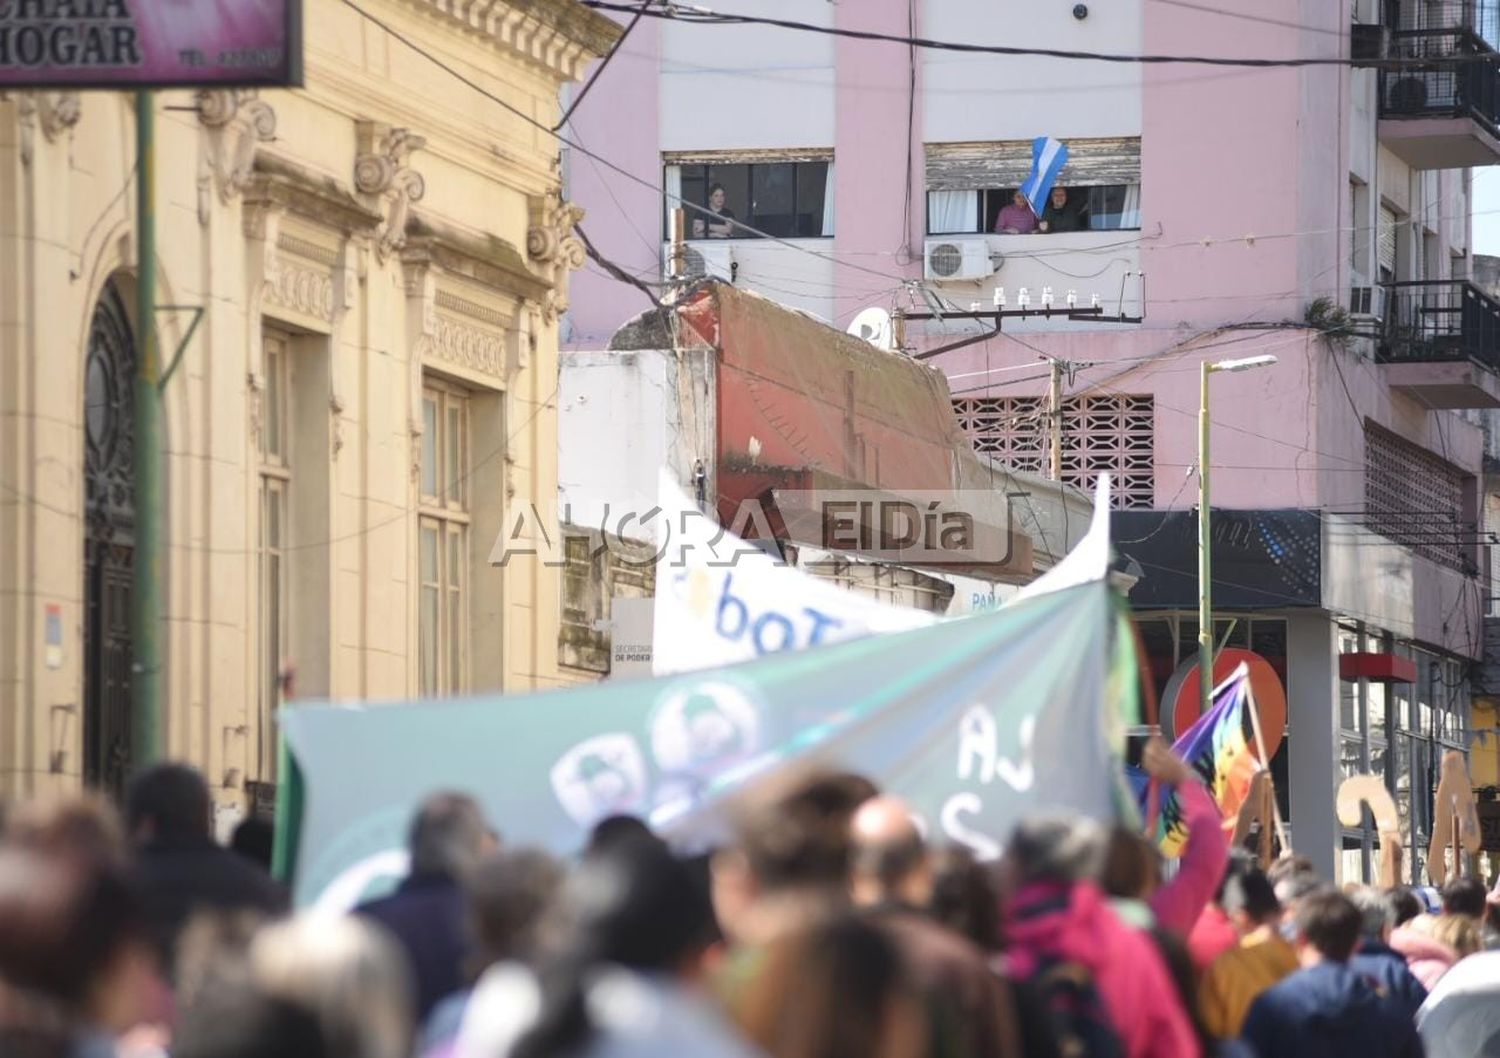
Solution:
(1059, 926)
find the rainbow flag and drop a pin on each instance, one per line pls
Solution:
(1218, 749)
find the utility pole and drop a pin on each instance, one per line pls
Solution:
(678, 256)
(1054, 414)
(146, 697)
(1205, 571)
(145, 618)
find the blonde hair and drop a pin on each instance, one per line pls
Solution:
(348, 974)
(1459, 932)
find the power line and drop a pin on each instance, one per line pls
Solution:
(703, 16)
(397, 35)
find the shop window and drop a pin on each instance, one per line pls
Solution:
(785, 199)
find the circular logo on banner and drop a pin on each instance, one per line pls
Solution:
(1179, 705)
(704, 727)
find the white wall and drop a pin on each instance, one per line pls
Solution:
(783, 273)
(748, 86)
(1005, 97)
(621, 418)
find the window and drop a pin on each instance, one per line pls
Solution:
(1416, 499)
(443, 541)
(1104, 432)
(1386, 244)
(968, 184)
(790, 199)
(275, 488)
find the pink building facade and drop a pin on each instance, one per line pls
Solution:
(1319, 214)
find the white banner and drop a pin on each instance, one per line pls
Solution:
(720, 599)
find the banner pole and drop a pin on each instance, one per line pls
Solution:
(1265, 762)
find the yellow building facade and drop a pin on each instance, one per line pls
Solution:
(381, 258)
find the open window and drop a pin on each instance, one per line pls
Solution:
(968, 184)
(789, 195)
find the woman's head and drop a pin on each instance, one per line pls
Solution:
(837, 989)
(1018, 198)
(1459, 932)
(348, 974)
(716, 197)
(965, 897)
(85, 825)
(631, 904)
(1132, 865)
(1054, 847)
(508, 896)
(71, 931)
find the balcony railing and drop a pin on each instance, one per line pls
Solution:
(1440, 320)
(1479, 18)
(1449, 73)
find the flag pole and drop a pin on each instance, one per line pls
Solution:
(1265, 762)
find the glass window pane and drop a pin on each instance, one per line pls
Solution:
(773, 206)
(1268, 639)
(812, 184)
(735, 180)
(454, 463)
(428, 635)
(429, 445)
(1351, 758)
(428, 556)
(273, 515)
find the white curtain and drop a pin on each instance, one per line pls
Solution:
(1130, 216)
(828, 201)
(951, 212)
(673, 194)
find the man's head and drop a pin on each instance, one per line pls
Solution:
(1328, 927)
(1374, 913)
(891, 864)
(1249, 900)
(612, 830)
(1464, 896)
(508, 895)
(448, 836)
(1402, 905)
(790, 838)
(168, 802)
(1059, 197)
(1292, 888)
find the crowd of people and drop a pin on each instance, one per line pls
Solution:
(825, 926)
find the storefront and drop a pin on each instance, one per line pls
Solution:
(1368, 641)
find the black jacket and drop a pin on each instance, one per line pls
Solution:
(179, 878)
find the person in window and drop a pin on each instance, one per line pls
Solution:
(717, 222)
(1016, 218)
(1065, 212)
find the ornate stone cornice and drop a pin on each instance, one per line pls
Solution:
(561, 35)
(487, 260)
(284, 185)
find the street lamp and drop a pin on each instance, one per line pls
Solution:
(1205, 582)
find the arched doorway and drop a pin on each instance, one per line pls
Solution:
(109, 541)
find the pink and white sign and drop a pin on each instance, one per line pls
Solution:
(145, 43)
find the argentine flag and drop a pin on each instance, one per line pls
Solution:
(1048, 156)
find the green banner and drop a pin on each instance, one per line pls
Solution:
(975, 721)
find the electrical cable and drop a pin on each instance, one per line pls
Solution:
(703, 16)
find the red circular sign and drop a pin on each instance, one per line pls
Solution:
(1179, 706)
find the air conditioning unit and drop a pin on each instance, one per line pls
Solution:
(704, 259)
(1369, 43)
(945, 259)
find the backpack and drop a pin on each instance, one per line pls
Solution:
(1079, 1018)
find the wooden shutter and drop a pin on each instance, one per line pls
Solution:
(1007, 163)
(1387, 245)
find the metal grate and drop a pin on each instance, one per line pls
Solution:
(1415, 498)
(1104, 432)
